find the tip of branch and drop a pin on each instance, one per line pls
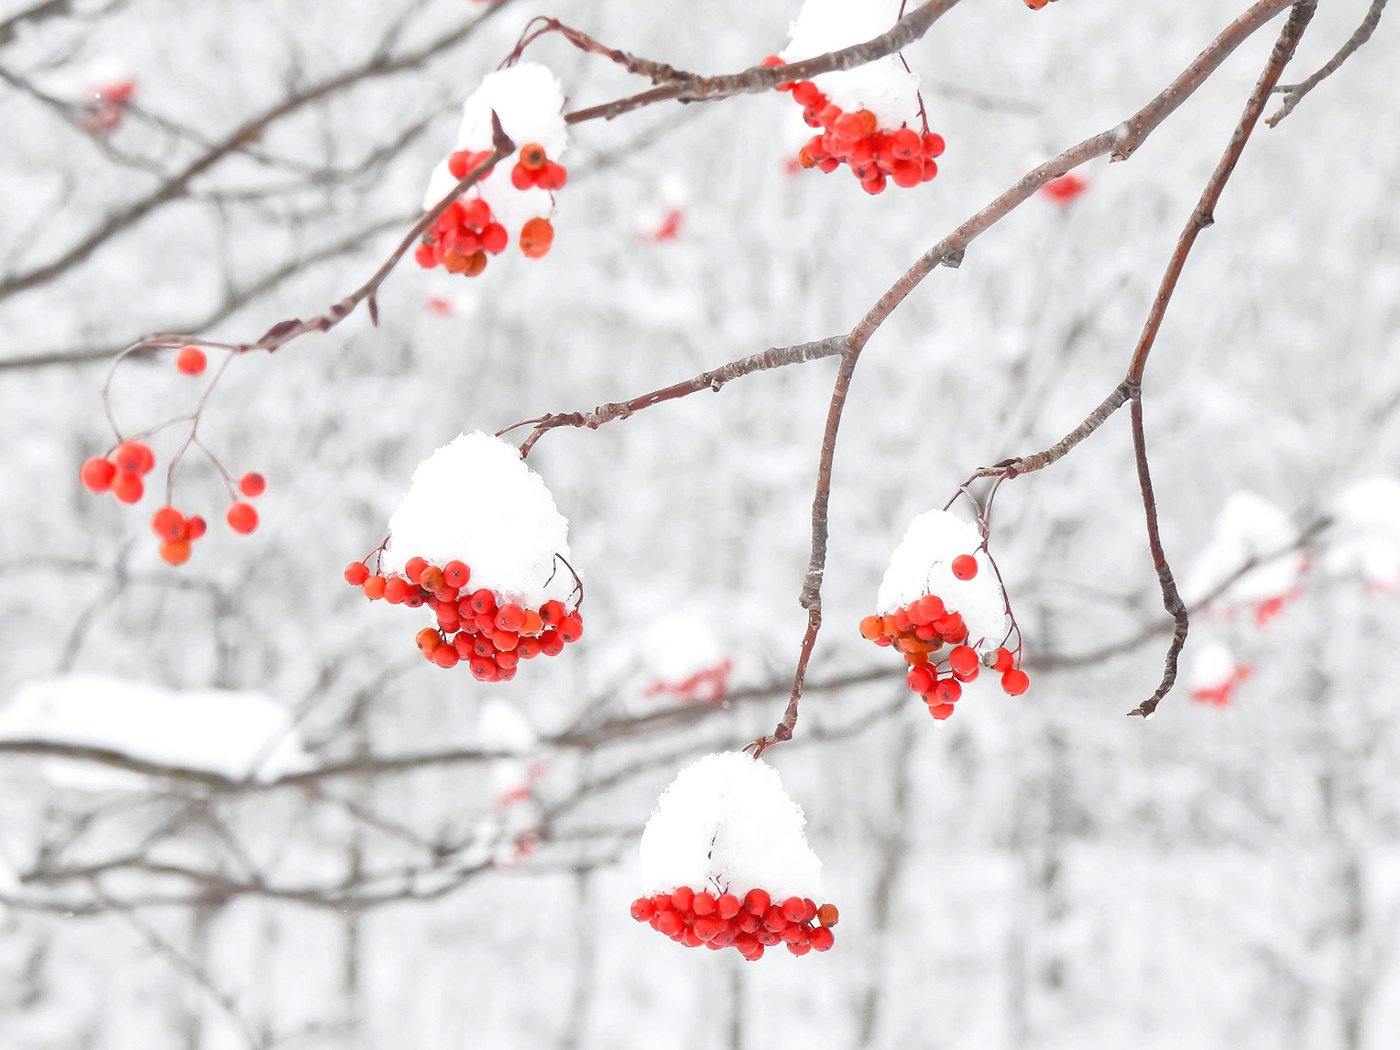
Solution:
(499, 139)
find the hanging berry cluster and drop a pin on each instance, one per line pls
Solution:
(122, 472)
(467, 232)
(875, 155)
(478, 628)
(922, 629)
(695, 917)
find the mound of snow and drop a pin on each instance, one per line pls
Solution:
(884, 86)
(475, 500)
(1366, 540)
(233, 734)
(922, 564)
(1249, 527)
(529, 102)
(725, 824)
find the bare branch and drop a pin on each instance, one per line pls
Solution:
(1295, 93)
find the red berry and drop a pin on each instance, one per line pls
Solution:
(682, 898)
(933, 145)
(793, 909)
(805, 93)
(510, 618)
(940, 711)
(528, 648)
(195, 527)
(356, 573)
(128, 488)
(703, 904)
(252, 484)
(571, 629)
(457, 164)
(374, 588)
(191, 360)
(168, 523)
(1002, 660)
(643, 909)
(97, 474)
(413, 569)
(931, 608)
(757, 902)
(395, 590)
(456, 574)
(133, 457)
(921, 679)
(871, 628)
(906, 144)
(822, 939)
(1015, 682)
(425, 256)
(242, 518)
(445, 656)
(553, 613)
(964, 566)
(551, 644)
(505, 641)
(494, 238)
(963, 660)
(947, 691)
(727, 906)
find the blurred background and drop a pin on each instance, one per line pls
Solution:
(237, 808)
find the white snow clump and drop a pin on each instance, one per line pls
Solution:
(884, 86)
(726, 825)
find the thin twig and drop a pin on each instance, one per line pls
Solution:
(1295, 93)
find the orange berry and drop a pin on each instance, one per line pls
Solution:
(871, 628)
(533, 157)
(356, 573)
(827, 915)
(536, 237)
(533, 623)
(374, 587)
(175, 552)
(428, 640)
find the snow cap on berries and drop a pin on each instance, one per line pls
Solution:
(726, 825)
(1366, 540)
(476, 501)
(1249, 527)
(529, 102)
(884, 86)
(922, 564)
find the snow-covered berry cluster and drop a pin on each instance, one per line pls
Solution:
(875, 155)
(865, 115)
(122, 472)
(528, 102)
(477, 627)
(945, 612)
(495, 573)
(695, 917)
(725, 863)
(467, 232)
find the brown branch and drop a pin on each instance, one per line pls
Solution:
(1295, 93)
(714, 380)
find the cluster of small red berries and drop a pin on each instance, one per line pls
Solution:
(710, 685)
(925, 626)
(876, 155)
(1220, 695)
(121, 473)
(109, 104)
(466, 232)
(1066, 189)
(696, 917)
(474, 627)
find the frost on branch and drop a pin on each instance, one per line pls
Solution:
(942, 591)
(477, 538)
(868, 114)
(725, 862)
(516, 199)
(230, 734)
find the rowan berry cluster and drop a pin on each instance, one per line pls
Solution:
(922, 629)
(467, 231)
(875, 155)
(710, 685)
(479, 627)
(695, 917)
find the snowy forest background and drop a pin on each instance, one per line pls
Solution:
(1037, 872)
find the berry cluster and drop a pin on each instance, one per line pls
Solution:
(467, 231)
(696, 917)
(108, 106)
(1221, 693)
(475, 627)
(710, 685)
(1066, 189)
(922, 628)
(876, 155)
